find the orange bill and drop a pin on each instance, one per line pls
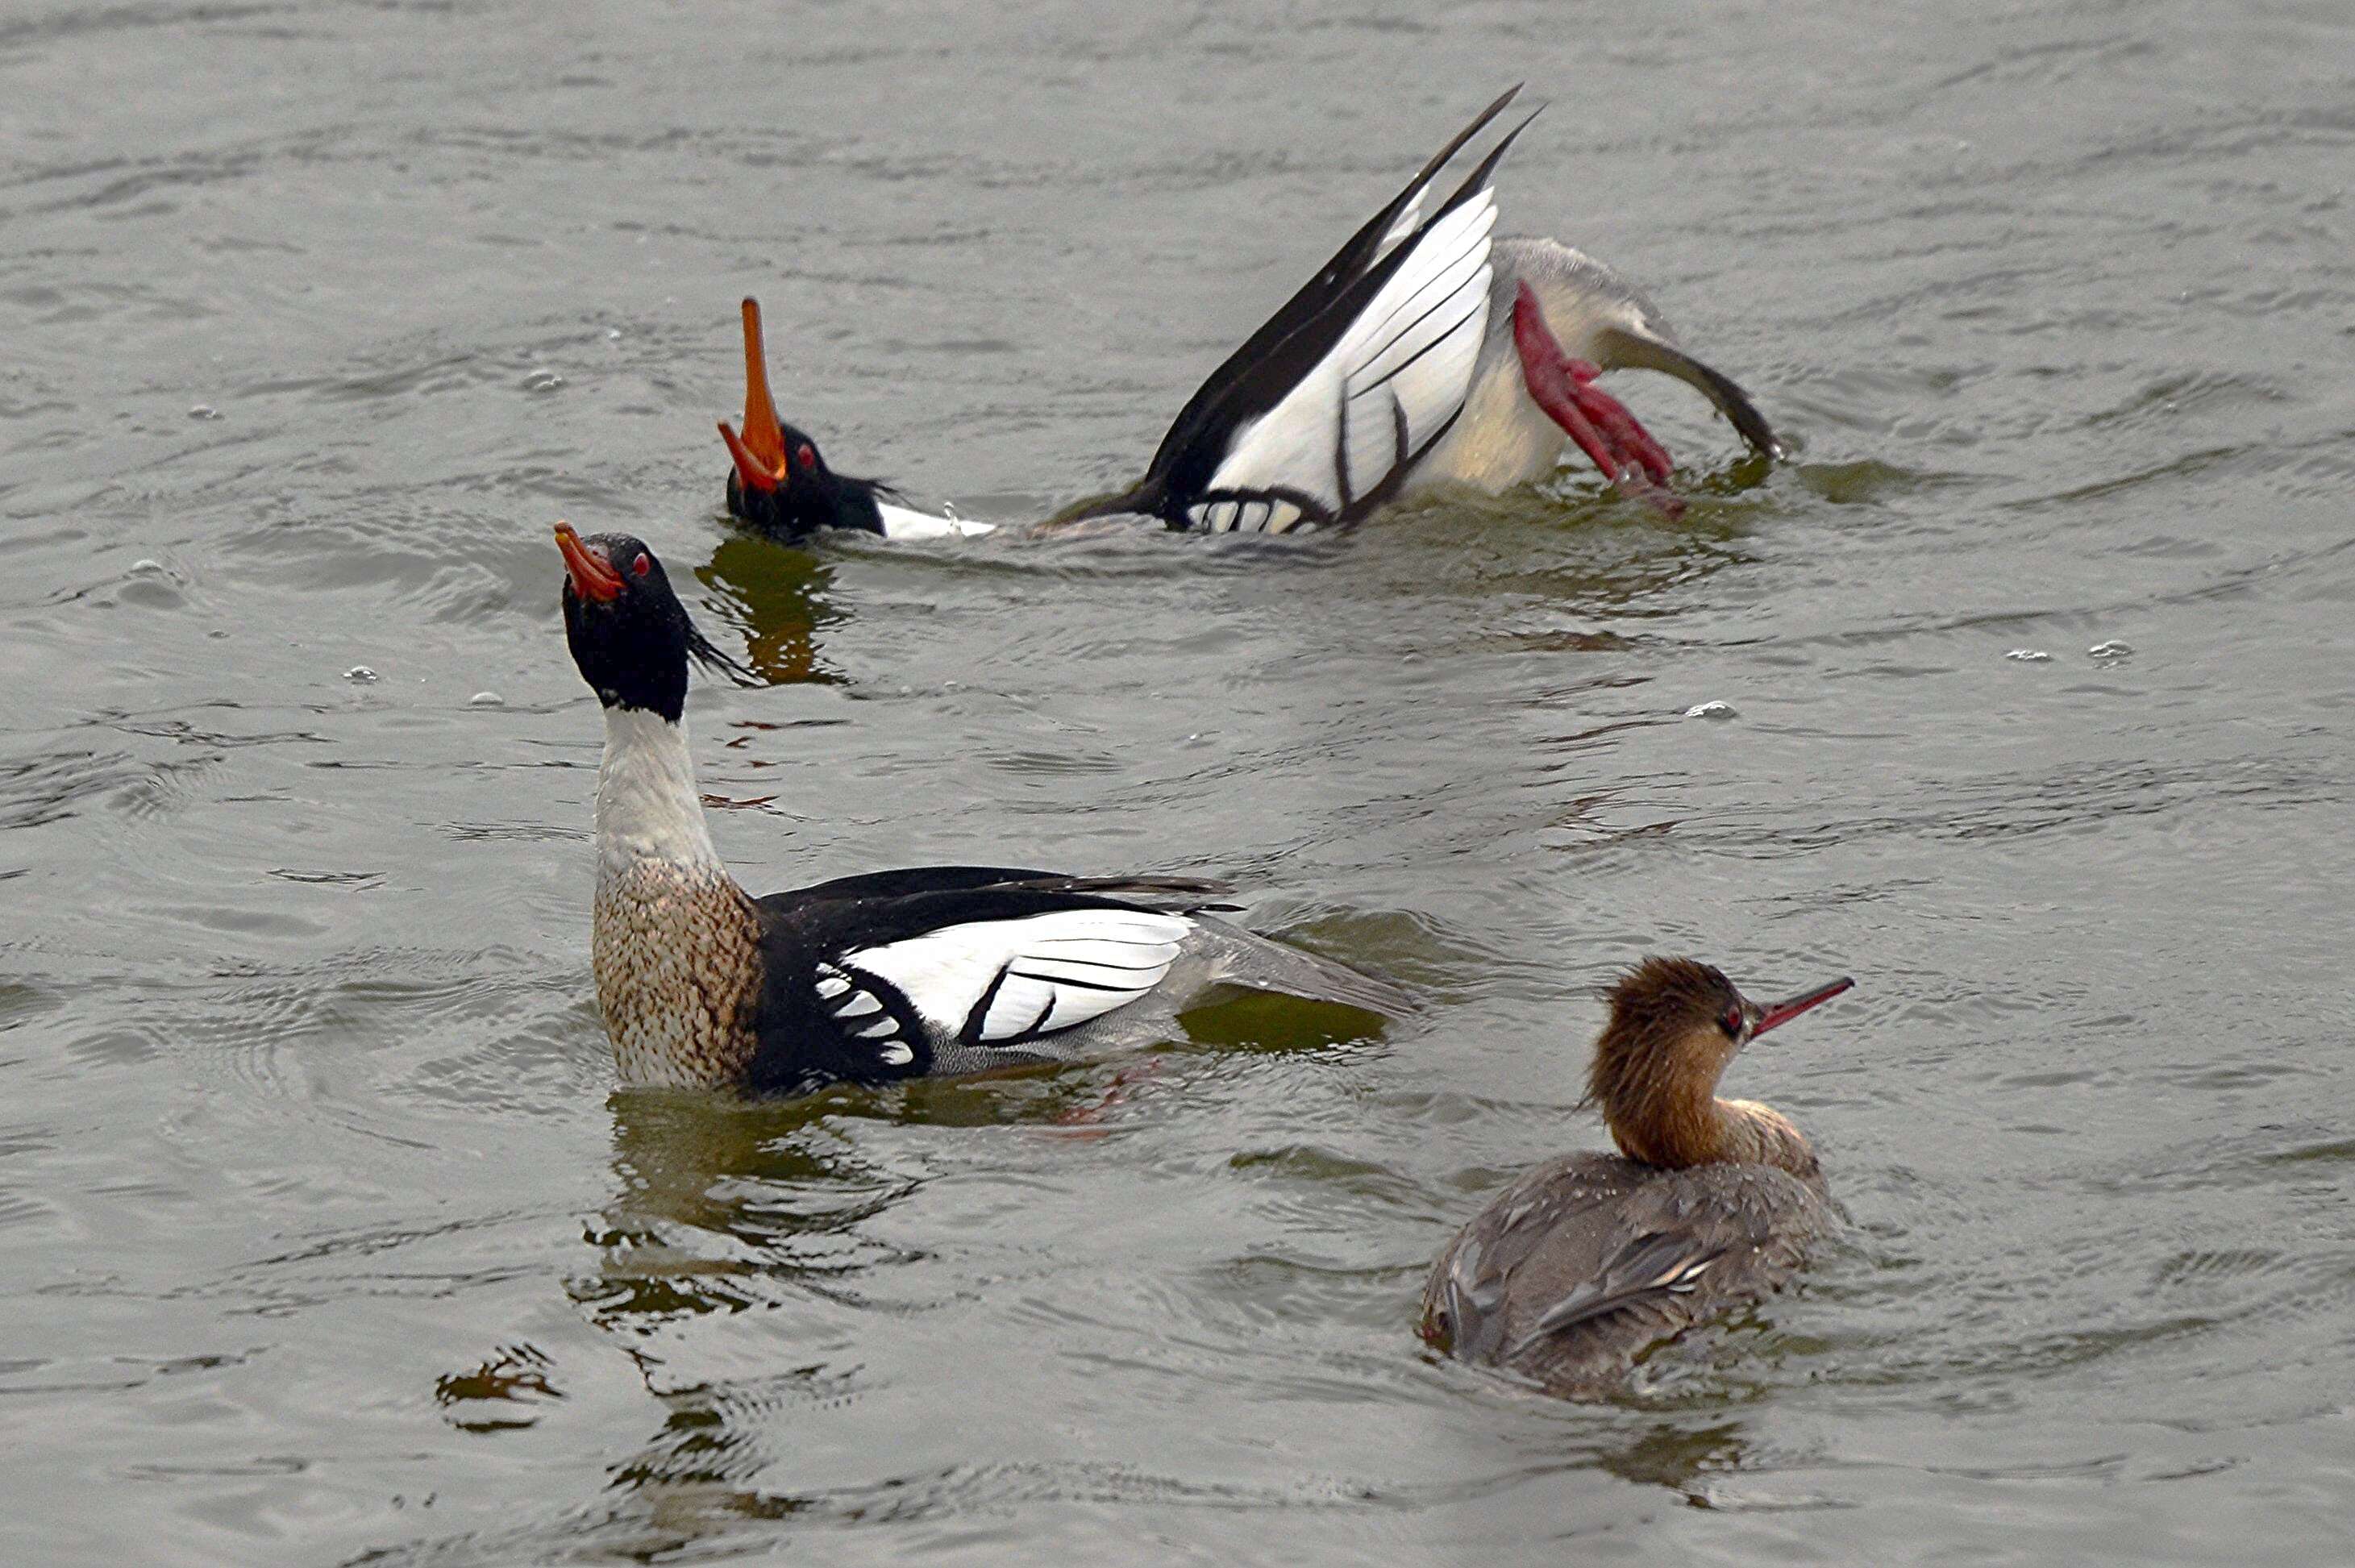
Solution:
(593, 575)
(749, 468)
(760, 435)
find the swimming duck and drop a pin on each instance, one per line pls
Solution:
(890, 975)
(779, 485)
(1425, 352)
(1585, 1262)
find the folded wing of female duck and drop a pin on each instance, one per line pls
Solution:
(1425, 352)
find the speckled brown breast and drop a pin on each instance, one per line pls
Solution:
(679, 974)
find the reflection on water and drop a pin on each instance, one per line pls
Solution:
(776, 597)
(727, 1207)
(1676, 1457)
(746, 1209)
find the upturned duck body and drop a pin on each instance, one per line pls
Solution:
(1426, 352)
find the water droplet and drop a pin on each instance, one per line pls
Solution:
(1710, 710)
(542, 381)
(2028, 656)
(143, 567)
(204, 412)
(2113, 649)
(613, 335)
(486, 699)
(359, 672)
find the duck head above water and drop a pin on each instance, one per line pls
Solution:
(779, 485)
(1675, 1025)
(630, 637)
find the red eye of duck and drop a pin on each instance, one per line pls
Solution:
(1732, 1023)
(807, 455)
(644, 564)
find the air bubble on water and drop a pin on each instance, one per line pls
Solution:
(486, 699)
(2028, 656)
(613, 335)
(204, 412)
(360, 674)
(2113, 649)
(145, 567)
(1710, 710)
(542, 381)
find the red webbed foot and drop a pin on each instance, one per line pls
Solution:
(1605, 429)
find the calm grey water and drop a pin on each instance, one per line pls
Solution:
(324, 1235)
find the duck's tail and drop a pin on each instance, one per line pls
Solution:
(1254, 962)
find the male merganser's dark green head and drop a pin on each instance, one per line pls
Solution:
(630, 637)
(779, 485)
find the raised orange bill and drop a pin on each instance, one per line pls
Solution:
(593, 575)
(760, 435)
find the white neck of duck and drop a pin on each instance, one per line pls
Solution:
(676, 942)
(648, 809)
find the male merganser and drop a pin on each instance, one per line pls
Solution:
(940, 969)
(1424, 353)
(781, 486)
(1586, 1262)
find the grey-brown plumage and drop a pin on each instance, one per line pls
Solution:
(1580, 1266)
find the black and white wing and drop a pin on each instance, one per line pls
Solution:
(997, 985)
(955, 968)
(1322, 414)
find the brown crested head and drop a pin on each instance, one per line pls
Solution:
(1675, 1025)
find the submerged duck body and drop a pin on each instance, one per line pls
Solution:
(1586, 1262)
(902, 973)
(1426, 352)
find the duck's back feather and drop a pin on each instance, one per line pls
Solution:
(1586, 1262)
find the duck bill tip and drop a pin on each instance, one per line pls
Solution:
(1776, 1014)
(593, 576)
(755, 474)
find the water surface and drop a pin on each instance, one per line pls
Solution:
(326, 1236)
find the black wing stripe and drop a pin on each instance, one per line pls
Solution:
(1387, 375)
(1438, 274)
(1348, 264)
(1292, 343)
(1059, 980)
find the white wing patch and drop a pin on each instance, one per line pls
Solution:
(1409, 220)
(1387, 388)
(907, 523)
(861, 1014)
(992, 980)
(1245, 515)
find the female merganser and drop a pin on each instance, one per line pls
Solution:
(1424, 353)
(941, 969)
(1585, 1262)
